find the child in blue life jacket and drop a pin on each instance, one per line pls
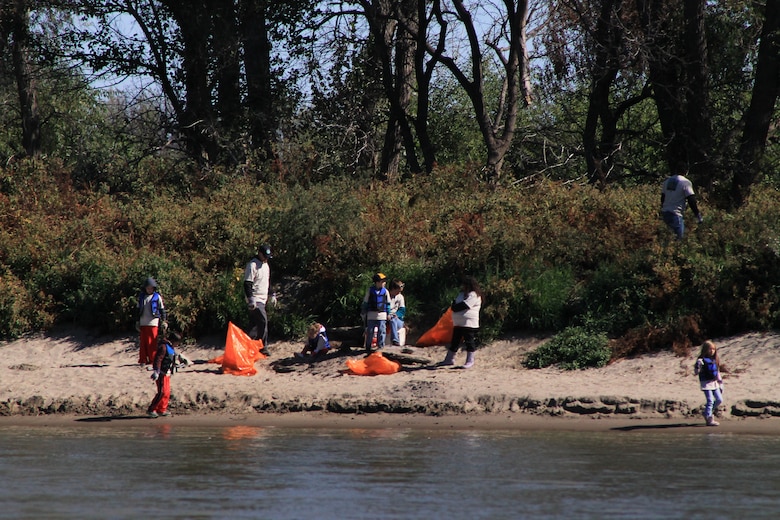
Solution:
(151, 320)
(317, 343)
(707, 367)
(374, 309)
(164, 367)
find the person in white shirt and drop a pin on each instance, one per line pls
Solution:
(152, 320)
(397, 311)
(465, 318)
(677, 191)
(257, 277)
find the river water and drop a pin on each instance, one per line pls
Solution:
(157, 470)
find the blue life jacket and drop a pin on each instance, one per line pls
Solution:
(316, 339)
(374, 297)
(708, 370)
(155, 302)
(169, 361)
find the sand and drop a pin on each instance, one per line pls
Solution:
(77, 377)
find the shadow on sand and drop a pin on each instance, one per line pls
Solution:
(110, 418)
(657, 426)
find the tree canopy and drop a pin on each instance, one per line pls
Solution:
(609, 91)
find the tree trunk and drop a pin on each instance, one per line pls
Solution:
(423, 74)
(194, 22)
(759, 114)
(498, 134)
(394, 48)
(700, 146)
(599, 155)
(227, 68)
(257, 63)
(25, 78)
(665, 77)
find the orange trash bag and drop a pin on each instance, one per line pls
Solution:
(439, 334)
(241, 352)
(373, 365)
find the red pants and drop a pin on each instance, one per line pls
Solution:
(148, 345)
(163, 397)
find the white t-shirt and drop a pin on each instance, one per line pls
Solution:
(259, 274)
(676, 189)
(469, 317)
(396, 302)
(147, 318)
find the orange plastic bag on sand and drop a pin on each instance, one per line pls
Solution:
(375, 364)
(439, 334)
(241, 352)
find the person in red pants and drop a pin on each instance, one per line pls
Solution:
(164, 366)
(151, 319)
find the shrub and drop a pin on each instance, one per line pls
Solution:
(573, 348)
(19, 313)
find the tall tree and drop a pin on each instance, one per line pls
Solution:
(759, 115)
(700, 138)
(15, 26)
(497, 125)
(212, 59)
(257, 62)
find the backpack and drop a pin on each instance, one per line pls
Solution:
(169, 361)
(373, 299)
(708, 370)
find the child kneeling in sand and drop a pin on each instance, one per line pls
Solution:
(164, 366)
(317, 343)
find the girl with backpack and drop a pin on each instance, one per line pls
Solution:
(707, 367)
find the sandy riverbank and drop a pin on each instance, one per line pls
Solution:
(81, 378)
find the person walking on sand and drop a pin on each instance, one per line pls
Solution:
(465, 318)
(707, 367)
(677, 191)
(164, 366)
(375, 307)
(151, 318)
(257, 278)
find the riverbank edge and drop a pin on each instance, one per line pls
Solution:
(484, 412)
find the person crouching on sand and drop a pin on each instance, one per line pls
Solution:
(317, 343)
(164, 366)
(707, 367)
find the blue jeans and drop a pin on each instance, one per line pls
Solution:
(381, 325)
(675, 223)
(395, 325)
(714, 398)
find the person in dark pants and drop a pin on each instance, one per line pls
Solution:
(257, 277)
(465, 318)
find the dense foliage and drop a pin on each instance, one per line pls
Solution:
(549, 255)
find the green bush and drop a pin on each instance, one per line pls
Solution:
(571, 349)
(548, 255)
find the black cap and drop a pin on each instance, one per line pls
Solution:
(266, 250)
